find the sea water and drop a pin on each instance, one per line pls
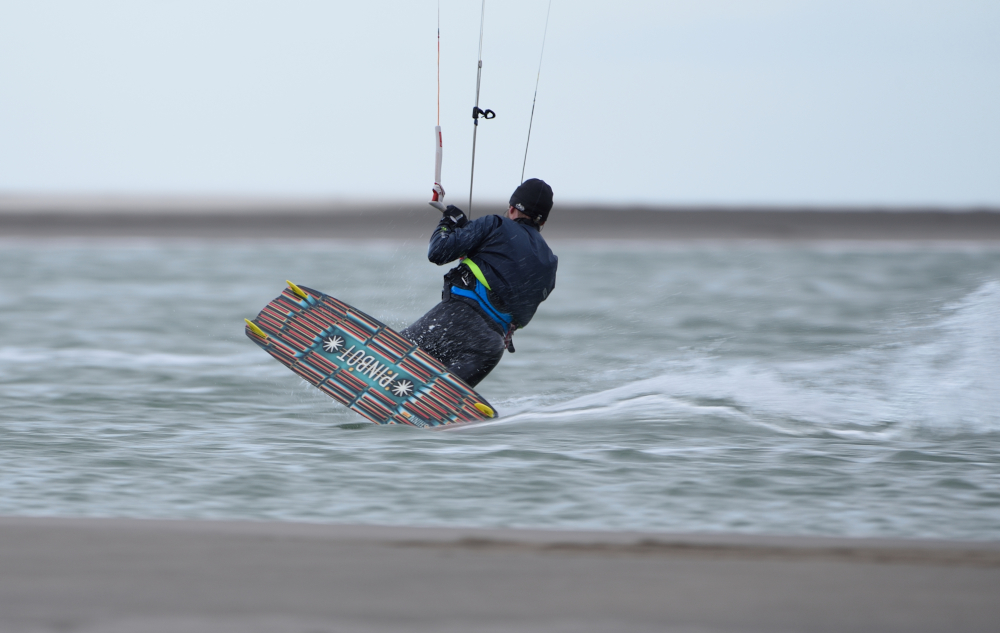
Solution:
(837, 389)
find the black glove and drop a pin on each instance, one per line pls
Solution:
(453, 218)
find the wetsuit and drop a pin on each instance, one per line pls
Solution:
(507, 269)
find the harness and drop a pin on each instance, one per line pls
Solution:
(480, 294)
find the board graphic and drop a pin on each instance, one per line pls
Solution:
(363, 364)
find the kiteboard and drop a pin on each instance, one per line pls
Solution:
(362, 363)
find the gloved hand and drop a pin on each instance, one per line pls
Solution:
(453, 218)
(437, 197)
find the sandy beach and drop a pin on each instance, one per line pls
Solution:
(116, 217)
(146, 576)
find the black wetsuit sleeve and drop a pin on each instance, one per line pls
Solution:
(449, 242)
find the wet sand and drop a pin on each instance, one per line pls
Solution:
(145, 576)
(39, 218)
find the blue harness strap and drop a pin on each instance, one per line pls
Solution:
(480, 296)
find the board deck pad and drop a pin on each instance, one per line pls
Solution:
(362, 363)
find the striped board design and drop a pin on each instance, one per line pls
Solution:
(363, 364)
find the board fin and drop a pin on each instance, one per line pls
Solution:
(299, 291)
(256, 330)
(485, 410)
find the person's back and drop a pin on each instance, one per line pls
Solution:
(507, 269)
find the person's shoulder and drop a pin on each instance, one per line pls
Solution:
(487, 222)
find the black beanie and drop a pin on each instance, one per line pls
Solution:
(534, 199)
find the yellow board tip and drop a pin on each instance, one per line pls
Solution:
(485, 410)
(299, 291)
(256, 330)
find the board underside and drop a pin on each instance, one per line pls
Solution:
(363, 364)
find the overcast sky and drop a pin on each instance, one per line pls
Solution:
(891, 102)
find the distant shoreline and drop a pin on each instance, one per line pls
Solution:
(200, 576)
(104, 218)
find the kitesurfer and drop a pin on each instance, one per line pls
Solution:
(506, 270)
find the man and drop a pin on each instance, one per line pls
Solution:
(506, 270)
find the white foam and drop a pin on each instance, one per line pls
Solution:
(943, 377)
(953, 381)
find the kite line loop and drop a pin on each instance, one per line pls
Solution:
(486, 114)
